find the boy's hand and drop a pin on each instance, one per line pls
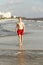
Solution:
(24, 31)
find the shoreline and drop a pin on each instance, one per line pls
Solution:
(5, 20)
(13, 49)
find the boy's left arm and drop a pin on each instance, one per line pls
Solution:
(24, 28)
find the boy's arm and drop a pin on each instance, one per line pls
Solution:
(16, 28)
(24, 27)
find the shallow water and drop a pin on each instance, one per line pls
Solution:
(21, 57)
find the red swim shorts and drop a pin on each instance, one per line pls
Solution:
(20, 31)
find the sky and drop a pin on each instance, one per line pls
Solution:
(25, 8)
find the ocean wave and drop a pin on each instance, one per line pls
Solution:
(5, 32)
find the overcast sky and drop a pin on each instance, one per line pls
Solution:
(26, 8)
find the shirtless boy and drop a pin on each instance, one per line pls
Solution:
(20, 29)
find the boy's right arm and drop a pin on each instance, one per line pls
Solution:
(16, 28)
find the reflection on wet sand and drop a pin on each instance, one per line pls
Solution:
(21, 57)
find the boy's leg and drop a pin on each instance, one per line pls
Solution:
(20, 41)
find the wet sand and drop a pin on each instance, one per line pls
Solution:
(21, 57)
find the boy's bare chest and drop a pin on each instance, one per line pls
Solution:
(20, 24)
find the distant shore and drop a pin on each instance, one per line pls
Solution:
(7, 19)
(24, 18)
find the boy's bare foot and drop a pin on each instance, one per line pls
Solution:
(21, 47)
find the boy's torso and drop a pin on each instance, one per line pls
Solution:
(20, 25)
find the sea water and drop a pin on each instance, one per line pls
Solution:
(33, 37)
